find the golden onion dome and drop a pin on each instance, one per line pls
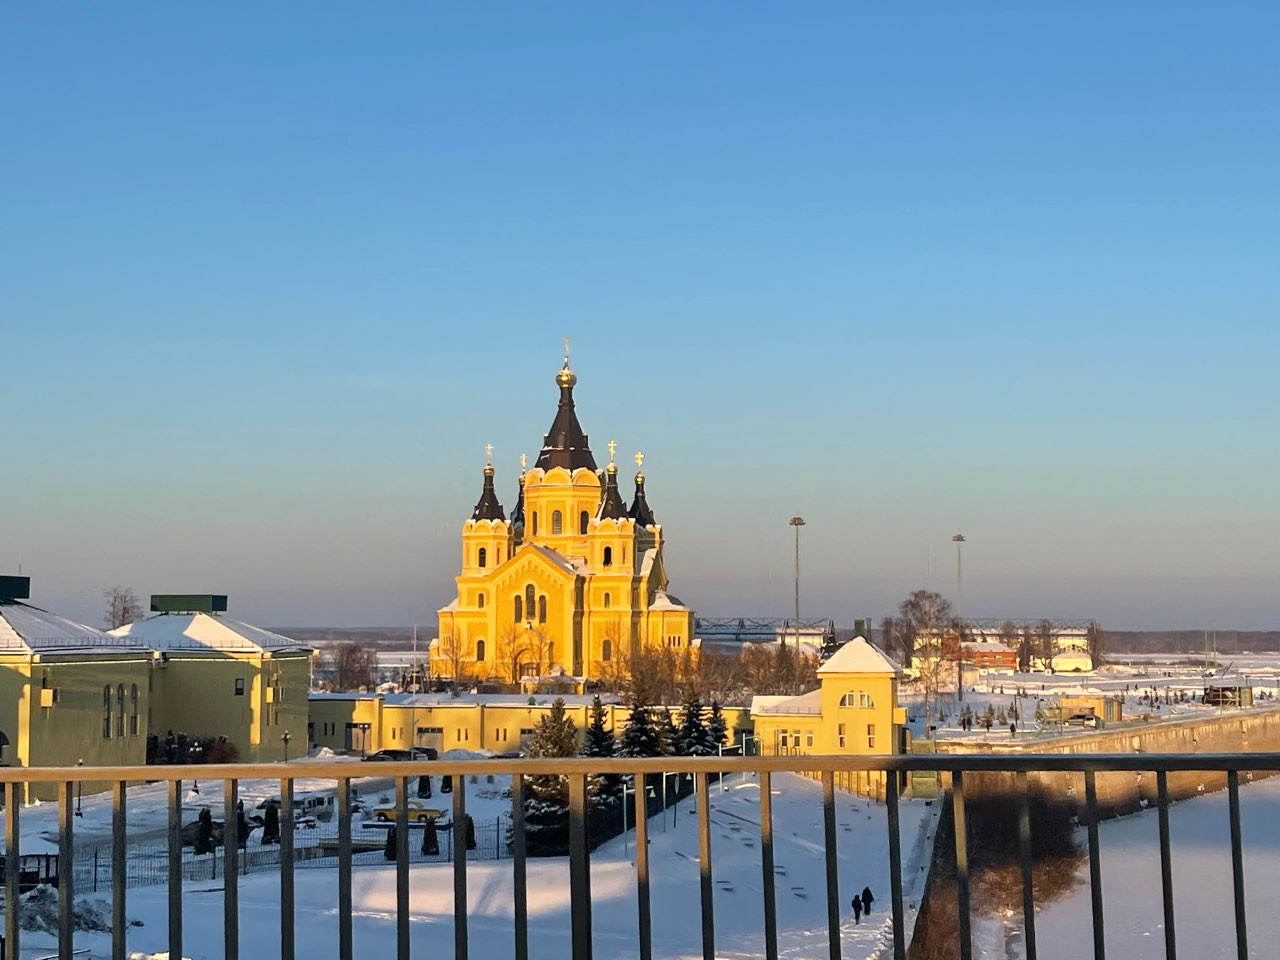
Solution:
(566, 377)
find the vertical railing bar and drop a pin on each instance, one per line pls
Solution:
(344, 869)
(119, 923)
(518, 853)
(230, 870)
(1095, 865)
(895, 866)
(962, 863)
(66, 878)
(12, 867)
(704, 867)
(287, 944)
(579, 869)
(1237, 864)
(459, 868)
(402, 868)
(175, 868)
(833, 873)
(643, 917)
(766, 866)
(1024, 851)
(1166, 865)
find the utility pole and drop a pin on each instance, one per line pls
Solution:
(958, 540)
(797, 522)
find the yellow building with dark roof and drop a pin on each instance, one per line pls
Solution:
(574, 582)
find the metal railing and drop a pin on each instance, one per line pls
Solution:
(576, 772)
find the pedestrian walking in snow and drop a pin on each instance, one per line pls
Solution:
(857, 910)
(867, 900)
(1013, 729)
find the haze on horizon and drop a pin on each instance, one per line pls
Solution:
(273, 277)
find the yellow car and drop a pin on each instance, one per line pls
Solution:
(417, 810)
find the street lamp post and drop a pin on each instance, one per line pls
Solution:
(285, 738)
(797, 522)
(79, 790)
(958, 540)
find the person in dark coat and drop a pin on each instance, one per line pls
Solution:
(204, 832)
(857, 910)
(242, 826)
(867, 900)
(271, 825)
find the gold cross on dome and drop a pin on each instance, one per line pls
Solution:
(639, 459)
(566, 349)
(523, 460)
(488, 454)
(613, 446)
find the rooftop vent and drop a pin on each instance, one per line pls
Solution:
(15, 588)
(188, 603)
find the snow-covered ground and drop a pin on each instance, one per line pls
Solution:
(734, 814)
(1204, 912)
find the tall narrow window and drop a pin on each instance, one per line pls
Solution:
(528, 600)
(106, 712)
(556, 521)
(606, 650)
(519, 614)
(583, 519)
(606, 601)
(482, 558)
(608, 556)
(479, 649)
(120, 710)
(535, 523)
(871, 736)
(133, 710)
(542, 609)
(480, 601)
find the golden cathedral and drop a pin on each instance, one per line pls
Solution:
(572, 584)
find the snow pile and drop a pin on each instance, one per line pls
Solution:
(38, 912)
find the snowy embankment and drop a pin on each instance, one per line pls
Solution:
(1204, 911)
(674, 883)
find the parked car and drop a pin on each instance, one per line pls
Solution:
(394, 754)
(416, 809)
(1082, 720)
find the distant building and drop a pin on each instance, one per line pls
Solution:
(575, 579)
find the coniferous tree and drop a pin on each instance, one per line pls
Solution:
(692, 739)
(717, 729)
(668, 735)
(599, 742)
(546, 807)
(640, 737)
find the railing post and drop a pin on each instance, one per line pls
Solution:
(119, 922)
(66, 872)
(1024, 848)
(643, 918)
(579, 869)
(230, 871)
(1095, 865)
(287, 945)
(520, 878)
(12, 876)
(895, 866)
(962, 863)
(459, 850)
(833, 873)
(1237, 864)
(704, 867)
(1166, 866)
(344, 869)
(402, 868)
(766, 866)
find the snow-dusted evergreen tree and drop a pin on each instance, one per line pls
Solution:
(640, 737)
(668, 736)
(599, 742)
(692, 739)
(717, 729)
(546, 806)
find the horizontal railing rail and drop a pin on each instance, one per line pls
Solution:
(576, 771)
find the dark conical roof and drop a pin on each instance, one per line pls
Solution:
(640, 511)
(488, 507)
(611, 506)
(517, 515)
(565, 445)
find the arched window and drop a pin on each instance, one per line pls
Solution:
(480, 600)
(556, 520)
(106, 712)
(528, 600)
(583, 519)
(120, 710)
(535, 523)
(518, 611)
(608, 556)
(482, 558)
(606, 601)
(479, 649)
(542, 609)
(606, 650)
(133, 709)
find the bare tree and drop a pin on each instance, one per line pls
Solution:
(123, 606)
(457, 654)
(922, 616)
(350, 666)
(1046, 644)
(1097, 639)
(513, 651)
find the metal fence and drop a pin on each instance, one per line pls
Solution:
(576, 771)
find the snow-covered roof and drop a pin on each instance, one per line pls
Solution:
(807, 703)
(664, 601)
(555, 557)
(991, 646)
(859, 656)
(490, 699)
(25, 629)
(187, 632)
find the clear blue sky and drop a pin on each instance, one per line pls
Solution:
(271, 276)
